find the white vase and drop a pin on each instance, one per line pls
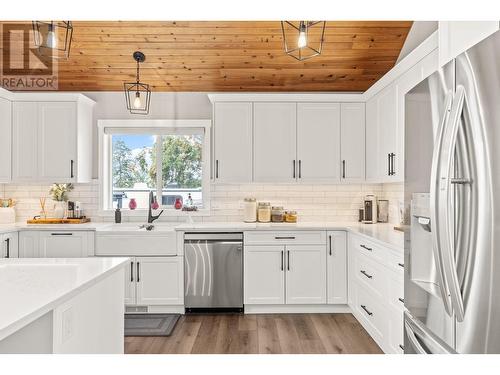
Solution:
(59, 210)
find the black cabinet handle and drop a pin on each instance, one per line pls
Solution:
(62, 234)
(366, 274)
(366, 247)
(401, 265)
(138, 273)
(300, 168)
(216, 169)
(402, 347)
(288, 260)
(282, 259)
(366, 310)
(7, 242)
(293, 170)
(72, 164)
(131, 272)
(343, 168)
(388, 164)
(393, 172)
(284, 238)
(401, 300)
(330, 244)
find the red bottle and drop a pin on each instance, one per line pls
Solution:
(132, 204)
(178, 203)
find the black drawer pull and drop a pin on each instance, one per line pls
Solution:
(401, 265)
(401, 300)
(366, 310)
(284, 238)
(366, 274)
(61, 234)
(402, 347)
(131, 272)
(7, 243)
(366, 247)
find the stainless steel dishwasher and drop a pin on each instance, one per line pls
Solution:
(213, 271)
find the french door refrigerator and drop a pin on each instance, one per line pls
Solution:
(452, 187)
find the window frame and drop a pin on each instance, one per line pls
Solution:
(105, 160)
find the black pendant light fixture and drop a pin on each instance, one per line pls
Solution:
(138, 94)
(303, 39)
(53, 38)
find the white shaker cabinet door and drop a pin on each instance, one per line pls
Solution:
(372, 157)
(57, 143)
(25, 134)
(264, 275)
(305, 274)
(232, 142)
(337, 267)
(318, 142)
(64, 244)
(388, 134)
(274, 149)
(159, 280)
(5, 141)
(29, 244)
(130, 285)
(352, 141)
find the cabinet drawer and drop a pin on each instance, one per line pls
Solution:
(372, 314)
(368, 248)
(285, 237)
(396, 291)
(371, 274)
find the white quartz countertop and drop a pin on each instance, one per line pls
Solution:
(29, 288)
(6, 228)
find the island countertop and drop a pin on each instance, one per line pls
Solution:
(29, 288)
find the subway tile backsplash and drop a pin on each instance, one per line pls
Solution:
(328, 202)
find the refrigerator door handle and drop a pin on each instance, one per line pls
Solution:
(447, 182)
(422, 340)
(434, 205)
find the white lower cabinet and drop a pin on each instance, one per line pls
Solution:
(9, 245)
(56, 244)
(336, 266)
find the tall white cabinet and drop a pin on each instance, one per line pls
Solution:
(233, 142)
(51, 141)
(5, 140)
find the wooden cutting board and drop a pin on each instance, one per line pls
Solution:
(58, 221)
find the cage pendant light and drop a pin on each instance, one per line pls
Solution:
(53, 39)
(303, 39)
(137, 94)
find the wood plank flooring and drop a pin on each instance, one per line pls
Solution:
(260, 334)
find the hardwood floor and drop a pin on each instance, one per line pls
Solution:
(260, 334)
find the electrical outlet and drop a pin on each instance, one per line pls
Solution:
(67, 324)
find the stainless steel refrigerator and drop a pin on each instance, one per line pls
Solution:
(452, 186)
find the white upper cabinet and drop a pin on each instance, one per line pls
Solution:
(232, 142)
(274, 151)
(52, 141)
(352, 142)
(5, 140)
(57, 143)
(318, 142)
(456, 37)
(372, 143)
(388, 134)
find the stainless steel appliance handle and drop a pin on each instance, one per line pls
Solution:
(446, 182)
(419, 336)
(436, 231)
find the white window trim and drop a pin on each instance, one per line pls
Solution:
(105, 162)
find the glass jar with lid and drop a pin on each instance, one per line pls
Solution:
(277, 214)
(250, 210)
(264, 212)
(291, 216)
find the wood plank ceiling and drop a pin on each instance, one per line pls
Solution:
(214, 56)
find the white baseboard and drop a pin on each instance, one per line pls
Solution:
(296, 309)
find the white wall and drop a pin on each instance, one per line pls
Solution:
(164, 105)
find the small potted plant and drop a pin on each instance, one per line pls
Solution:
(59, 193)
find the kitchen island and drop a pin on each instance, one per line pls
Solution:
(62, 305)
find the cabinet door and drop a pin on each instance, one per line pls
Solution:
(29, 244)
(57, 142)
(159, 281)
(388, 134)
(9, 245)
(274, 149)
(337, 267)
(233, 142)
(25, 141)
(264, 275)
(372, 157)
(352, 141)
(63, 244)
(5, 140)
(318, 142)
(305, 274)
(130, 284)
